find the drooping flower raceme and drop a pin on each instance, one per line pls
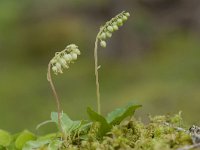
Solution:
(62, 59)
(111, 26)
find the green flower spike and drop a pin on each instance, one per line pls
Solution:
(105, 32)
(61, 61)
(111, 26)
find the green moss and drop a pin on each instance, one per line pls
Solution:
(160, 133)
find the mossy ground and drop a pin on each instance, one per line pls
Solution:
(160, 133)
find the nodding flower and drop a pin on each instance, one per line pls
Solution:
(62, 59)
(112, 26)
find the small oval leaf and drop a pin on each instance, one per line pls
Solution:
(24, 137)
(5, 138)
(94, 116)
(119, 114)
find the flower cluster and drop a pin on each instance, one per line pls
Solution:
(111, 26)
(64, 58)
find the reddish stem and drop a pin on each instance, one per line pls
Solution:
(55, 94)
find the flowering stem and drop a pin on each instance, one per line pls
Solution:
(97, 75)
(55, 94)
(105, 32)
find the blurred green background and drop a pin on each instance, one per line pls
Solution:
(153, 60)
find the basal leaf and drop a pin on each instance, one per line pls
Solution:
(31, 145)
(55, 145)
(24, 137)
(116, 116)
(64, 118)
(68, 125)
(104, 126)
(66, 122)
(48, 136)
(5, 138)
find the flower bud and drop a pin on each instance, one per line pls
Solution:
(119, 21)
(72, 46)
(127, 14)
(115, 27)
(74, 56)
(108, 34)
(63, 63)
(120, 24)
(103, 44)
(53, 61)
(103, 36)
(114, 23)
(59, 67)
(77, 51)
(54, 68)
(110, 28)
(67, 57)
(124, 18)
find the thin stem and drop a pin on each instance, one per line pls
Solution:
(55, 94)
(97, 75)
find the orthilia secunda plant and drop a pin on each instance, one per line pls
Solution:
(57, 64)
(104, 34)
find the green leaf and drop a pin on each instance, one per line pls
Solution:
(68, 125)
(24, 137)
(12, 143)
(66, 122)
(104, 126)
(48, 136)
(48, 144)
(75, 125)
(116, 116)
(5, 138)
(55, 145)
(85, 126)
(36, 144)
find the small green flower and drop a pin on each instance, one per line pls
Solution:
(103, 36)
(64, 58)
(59, 67)
(63, 63)
(115, 27)
(124, 18)
(67, 57)
(108, 34)
(103, 44)
(127, 14)
(55, 69)
(112, 26)
(119, 21)
(74, 56)
(77, 51)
